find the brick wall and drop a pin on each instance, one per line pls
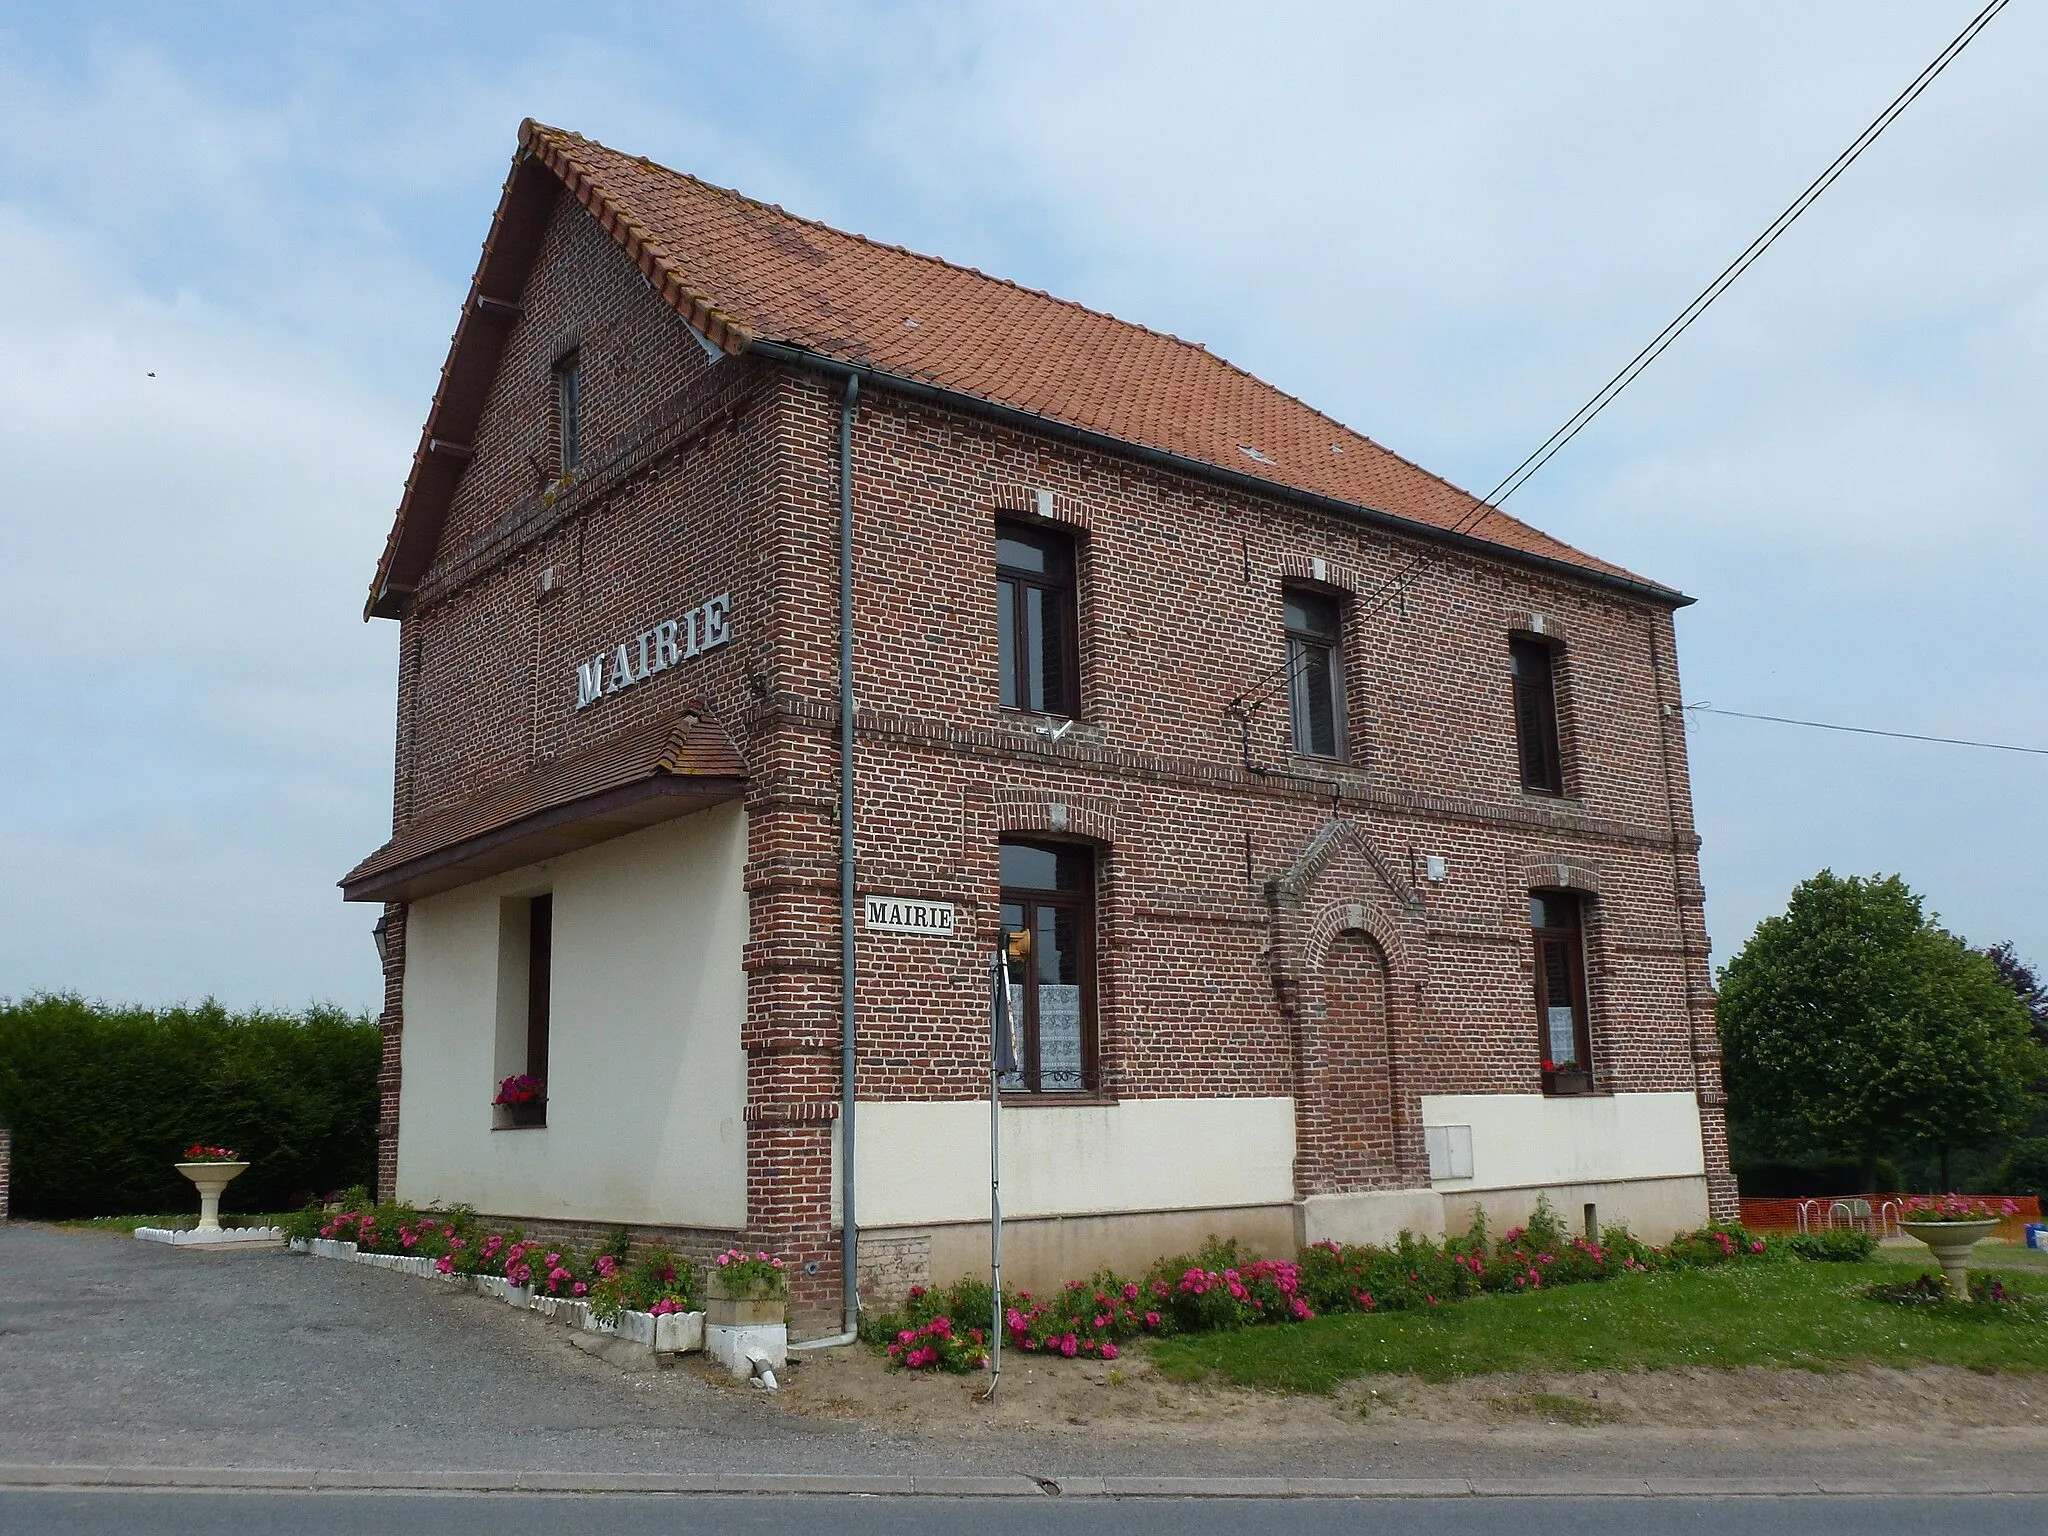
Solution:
(391, 1026)
(1264, 926)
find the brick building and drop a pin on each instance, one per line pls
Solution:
(1336, 825)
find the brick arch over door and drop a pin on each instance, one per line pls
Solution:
(1340, 903)
(1353, 1122)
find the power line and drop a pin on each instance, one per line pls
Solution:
(1603, 397)
(1865, 730)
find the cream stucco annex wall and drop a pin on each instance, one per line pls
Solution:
(920, 1162)
(1520, 1140)
(646, 1080)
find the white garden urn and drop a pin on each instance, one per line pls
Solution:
(211, 1178)
(1951, 1242)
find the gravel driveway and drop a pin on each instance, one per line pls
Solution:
(113, 1350)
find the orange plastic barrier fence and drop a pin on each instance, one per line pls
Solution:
(1783, 1215)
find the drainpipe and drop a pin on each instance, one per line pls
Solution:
(849, 1258)
(849, 1253)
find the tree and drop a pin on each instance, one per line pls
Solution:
(2025, 983)
(1856, 1026)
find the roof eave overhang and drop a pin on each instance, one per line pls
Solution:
(546, 834)
(1030, 421)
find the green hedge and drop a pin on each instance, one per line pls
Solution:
(102, 1100)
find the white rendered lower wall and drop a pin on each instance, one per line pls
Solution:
(920, 1162)
(646, 1078)
(1521, 1140)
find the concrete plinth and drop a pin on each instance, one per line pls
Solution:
(216, 1237)
(730, 1344)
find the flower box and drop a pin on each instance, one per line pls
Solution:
(743, 1312)
(745, 1290)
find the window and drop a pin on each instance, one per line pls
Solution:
(1315, 673)
(525, 989)
(1035, 628)
(569, 412)
(1561, 992)
(1049, 925)
(1533, 664)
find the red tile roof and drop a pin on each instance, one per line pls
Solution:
(747, 273)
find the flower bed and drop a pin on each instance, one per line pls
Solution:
(1225, 1287)
(1929, 1289)
(651, 1300)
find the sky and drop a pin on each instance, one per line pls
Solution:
(234, 240)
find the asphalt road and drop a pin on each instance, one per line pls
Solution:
(117, 1354)
(232, 1514)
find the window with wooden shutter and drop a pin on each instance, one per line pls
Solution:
(1533, 664)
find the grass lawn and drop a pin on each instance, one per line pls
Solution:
(1790, 1314)
(180, 1221)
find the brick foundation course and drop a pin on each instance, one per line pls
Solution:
(1264, 923)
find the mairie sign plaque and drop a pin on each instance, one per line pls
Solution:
(896, 914)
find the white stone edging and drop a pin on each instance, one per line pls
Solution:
(663, 1334)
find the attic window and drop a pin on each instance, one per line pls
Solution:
(1252, 453)
(569, 412)
(911, 323)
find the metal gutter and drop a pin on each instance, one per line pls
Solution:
(1102, 442)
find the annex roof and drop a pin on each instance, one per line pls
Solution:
(642, 775)
(751, 277)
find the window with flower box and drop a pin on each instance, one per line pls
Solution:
(526, 928)
(1048, 899)
(1563, 1032)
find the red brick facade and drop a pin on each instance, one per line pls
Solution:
(1265, 924)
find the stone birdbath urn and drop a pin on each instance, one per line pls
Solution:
(212, 1175)
(1951, 1235)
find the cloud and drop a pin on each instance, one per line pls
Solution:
(179, 618)
(1445, 228)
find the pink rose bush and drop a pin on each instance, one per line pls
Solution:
(656, 1282)
(936, 1345)
(744, 1276)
